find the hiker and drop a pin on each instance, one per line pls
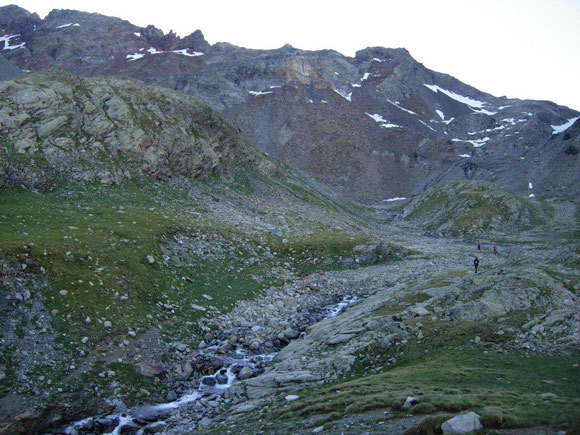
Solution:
(478, 246)
(494, 250)
(476, 263)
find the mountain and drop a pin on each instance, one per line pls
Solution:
(375, 126)
(160, 274)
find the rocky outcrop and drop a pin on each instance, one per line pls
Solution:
(57, 127)
(471, 208)
(375, 126)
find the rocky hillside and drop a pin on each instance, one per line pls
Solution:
(472, 208)
(56, 127)
(551, 169)
(375, 126)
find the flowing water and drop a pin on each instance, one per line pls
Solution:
(133, 419)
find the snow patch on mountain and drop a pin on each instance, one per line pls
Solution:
(398, 106)
(457, 97)
(560, 128)
(68, 25)
(343, 94)
(153, 50)
(384, 123)
(442, 116)
(137, 34)
(376, 117)
(184, 52)
(260, 92)
(465, 155)
(6, 39)
(485, 112)
(397, 198)
(134, 56)
(427, 125)
(376, 59)
(366, 76)
(476, 143)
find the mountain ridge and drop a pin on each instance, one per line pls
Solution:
(373, 126)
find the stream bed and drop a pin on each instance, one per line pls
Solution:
(149, 418)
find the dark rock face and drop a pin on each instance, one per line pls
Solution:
(7, 69)
(551, 169)
(371, 127)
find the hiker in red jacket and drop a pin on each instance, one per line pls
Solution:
(495, 250)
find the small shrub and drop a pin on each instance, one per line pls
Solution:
(492, 420)
(424, 408)
(429, 426)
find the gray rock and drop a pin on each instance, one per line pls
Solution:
(548, 396)
(150, 370)
(171, 396)
(210, 381)
(245, 373)
(221, 378)
(291, 333)
(119, 405)
(419, 311)
(462, 423)
(205, 422)
(410, 402)
(157, 427)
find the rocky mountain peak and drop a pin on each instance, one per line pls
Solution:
(196, 41)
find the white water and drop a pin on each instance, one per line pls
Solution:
(242, 358)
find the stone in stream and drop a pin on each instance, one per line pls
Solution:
(171, 396)
(108, 421)
(222, 377)
(151, 413)
(209, 381)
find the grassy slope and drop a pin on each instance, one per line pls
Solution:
(94, 241)
(447, 374)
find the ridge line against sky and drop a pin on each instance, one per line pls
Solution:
(523, 49)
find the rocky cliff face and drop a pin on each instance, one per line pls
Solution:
(372, 127)
(7, 69)
(57, 127)
(551, 169)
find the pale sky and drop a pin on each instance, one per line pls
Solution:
(518, 48)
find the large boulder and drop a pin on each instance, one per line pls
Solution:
(464, 423)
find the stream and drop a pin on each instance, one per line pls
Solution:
(143, 419)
